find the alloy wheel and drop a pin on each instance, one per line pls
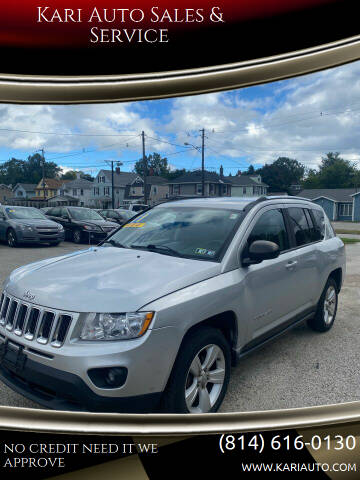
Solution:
(205, 379)
(329, 305)
(11, 239)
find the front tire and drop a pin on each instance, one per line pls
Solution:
(11, 238)
(201, 373)
(77, 236)
(327, 307)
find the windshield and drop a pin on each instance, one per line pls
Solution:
(24, 213)
(126, 213)
(139, 208)
(200, 233)
(84, 214)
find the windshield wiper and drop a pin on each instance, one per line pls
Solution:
(114, 243)
(158, 248)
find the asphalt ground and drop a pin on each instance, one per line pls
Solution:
(301, 368)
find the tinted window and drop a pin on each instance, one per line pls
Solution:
(56, 212)
(319, 226)
(79, 213)
(64, 212)
(271, 227)
(300, 226)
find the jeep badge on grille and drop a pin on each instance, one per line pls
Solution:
(28, 296)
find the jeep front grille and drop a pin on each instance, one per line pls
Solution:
(34, 323)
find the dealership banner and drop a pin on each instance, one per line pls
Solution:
(111, 51)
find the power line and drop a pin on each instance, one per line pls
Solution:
(68, 133)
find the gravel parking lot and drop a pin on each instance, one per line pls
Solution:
(302, 368)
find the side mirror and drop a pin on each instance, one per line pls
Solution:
(65, 217)
(261, 250)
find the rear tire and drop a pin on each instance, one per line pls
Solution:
(11, 238)
(200, 376)
(327, 307)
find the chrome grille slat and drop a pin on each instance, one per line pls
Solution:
(54, 325)
(45, 327)
(9, 311)
(1, 302)
(61, 330)
(34, 323)
(5, 307)
(12, 315)
(31, 326)
(38, 323)
(22, 317)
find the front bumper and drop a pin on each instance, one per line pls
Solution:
(95, 236)
(61, 390)
(58, 378)
(24, 236)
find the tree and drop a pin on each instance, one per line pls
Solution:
(250, 170)
(282, 173)
(156, 164)
(72, 175)
(333, 172)
(171, 175)
(26, 171)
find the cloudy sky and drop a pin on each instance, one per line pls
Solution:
(301, 118)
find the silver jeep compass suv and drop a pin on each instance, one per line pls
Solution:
(154, 317)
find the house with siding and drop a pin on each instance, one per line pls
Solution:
(47, 188)
(23, 191)
(157, 190)
(79, 189)
(101, 195)
(341, 204)
(247, 186)
(5, 193)
(190, 184)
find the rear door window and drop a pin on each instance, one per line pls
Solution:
(300, 226)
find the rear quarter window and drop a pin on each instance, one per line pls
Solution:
(319, 227)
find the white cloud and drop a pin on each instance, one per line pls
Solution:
(303, 118)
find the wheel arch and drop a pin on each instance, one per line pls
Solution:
(226, 322)
(337, 276)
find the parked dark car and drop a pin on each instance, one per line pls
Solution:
(28, 225)
(81, 224)
(118, 215)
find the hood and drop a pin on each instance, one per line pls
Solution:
(34, 222)
(100, 223)
(107, 279)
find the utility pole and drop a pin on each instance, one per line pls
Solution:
(144, 165)
(203, 161)
(43, 171)
(112, 185)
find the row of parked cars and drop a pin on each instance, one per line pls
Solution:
(20, 225)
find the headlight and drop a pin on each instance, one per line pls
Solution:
(60, 227)
(27, 228)
(115, 326)
(93, 228)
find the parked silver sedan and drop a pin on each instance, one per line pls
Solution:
(28, 225)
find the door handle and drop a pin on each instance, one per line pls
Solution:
(291, 265)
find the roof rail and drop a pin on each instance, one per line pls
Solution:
(288, 197)
(249, 206)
